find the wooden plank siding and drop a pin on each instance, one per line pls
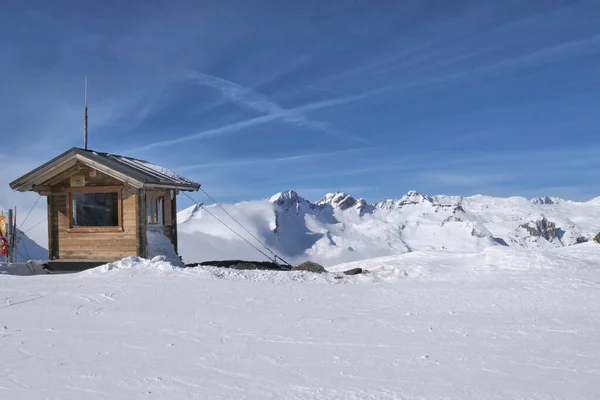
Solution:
(174, 222)
(100, 179)
(97, 245)
(53, 227)
(77, 245)
(141, 224)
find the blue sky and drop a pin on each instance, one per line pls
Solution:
(374, 98)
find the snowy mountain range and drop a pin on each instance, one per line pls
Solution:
(339, 228)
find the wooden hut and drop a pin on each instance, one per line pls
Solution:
(101, 206)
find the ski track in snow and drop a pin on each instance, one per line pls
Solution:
(491, 325)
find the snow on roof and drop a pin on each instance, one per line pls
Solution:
(154, 173)
(153, 169)
(144, 172)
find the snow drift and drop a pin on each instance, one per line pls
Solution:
(501, 323)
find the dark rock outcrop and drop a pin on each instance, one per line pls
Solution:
(310, 266)
(343, 201)
(546, 200)
(458, 208)
(541, 228)
(597, 238)
(354, 271)
(451, 219)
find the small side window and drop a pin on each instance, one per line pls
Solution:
(155, 211)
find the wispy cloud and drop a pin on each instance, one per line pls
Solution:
(240, 94)
(127, 112)
(284, 113)
(256, 101)
(528, 60)
(271, 160)
(466, 178)
(322, 89)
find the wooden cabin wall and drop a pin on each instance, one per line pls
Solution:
(142, 245)
(53, 226)
(103, 246)
(100, 179)
(93, 245)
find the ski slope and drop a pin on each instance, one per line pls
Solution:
(500, 323)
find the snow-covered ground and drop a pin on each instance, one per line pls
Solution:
(499, 323)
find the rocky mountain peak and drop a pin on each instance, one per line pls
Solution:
(542, 228)
(341, 200)
(414, 197)
(288, 197)
(190, 212)
(546, 200)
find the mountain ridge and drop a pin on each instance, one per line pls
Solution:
(413, 194)
(340, 228)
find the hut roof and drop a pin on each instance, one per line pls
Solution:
(136, 172)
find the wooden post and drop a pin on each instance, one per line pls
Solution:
(52, 234)
(173, 195)
(10, 237)
(14, 234)
(141, 224)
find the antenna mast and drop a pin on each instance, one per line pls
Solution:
(85, 123)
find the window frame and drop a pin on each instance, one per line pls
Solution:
(150, 200)
(95, 229)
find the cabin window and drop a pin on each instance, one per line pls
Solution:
(155, 209)
(94, 209)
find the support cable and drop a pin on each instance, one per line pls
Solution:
(29, 213)
(244, 228)
(36, 225)
(228, 227)
(16, 238)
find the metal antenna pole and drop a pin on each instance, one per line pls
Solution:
(85, 123)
